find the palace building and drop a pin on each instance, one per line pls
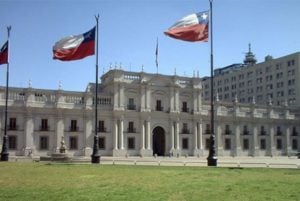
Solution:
(143, 114)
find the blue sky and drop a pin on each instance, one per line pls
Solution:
(128, 32)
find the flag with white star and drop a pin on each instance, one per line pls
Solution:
(193, 27)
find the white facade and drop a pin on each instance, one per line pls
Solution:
(143, 114)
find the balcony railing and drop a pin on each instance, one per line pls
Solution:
(159, 108)
(131, 107)
(12, 127)
(102, 130)
(74, 128)
(246, 132)
(131, 130)
(44, 128)
(185, 131)
(185, 109)
(227, 132)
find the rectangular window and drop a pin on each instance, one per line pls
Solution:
(185, 143)
(12, 142)
(73, 126)
(44, 125)
(44, 143)
(279, 144)
(227, 144)
(101, 142)
(262, 130)
(12, 124)
(131, 143)
(278, 131)
(227, 130)
(294, 132)
(158, 105)
(263, 144)
(184, 107)
(207, 129)
(73, 142)
(131, 105)
(185, 129)
(294, 144)
(131, 128)
(245, 144)
(101, 127)
(207, 143)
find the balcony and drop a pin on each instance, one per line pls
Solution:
(227, 132)
(44, 128)
(12, 127)
(185, 131)
(131, 130)
(131, 107)
(246, 132)
(73, 128)
(184, 109)
(102, 129)
(263, 133)
(159, 108)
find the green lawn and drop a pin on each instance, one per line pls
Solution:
(37, 181)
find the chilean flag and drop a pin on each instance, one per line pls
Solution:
(75, 47)
(4, 54)
(191, 28)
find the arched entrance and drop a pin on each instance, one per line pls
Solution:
(159, 141)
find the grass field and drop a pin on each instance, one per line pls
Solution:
(36, 181)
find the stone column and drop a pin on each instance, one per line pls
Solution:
(254, 145)
(237, 139)
(121, 134)
(287, 144)
(176, 100)
(148, 98)
(271, 144)
(172, 99)
(116, 96)
(219, 140)
(143, 97)
(122, 97)
(200, 140)
(195, 136)
(29, 138)
(177, 135)
(172, 139)
(115, 134)
(59, 132)
(148, 134)
(88, 138)
(142, 135)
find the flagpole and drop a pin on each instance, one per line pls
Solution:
(156, 55)
(4, 152)
(212, 158)
(95, 157)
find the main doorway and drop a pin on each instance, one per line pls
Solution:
(159, 141)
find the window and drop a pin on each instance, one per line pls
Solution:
(245, 144)
(101, 142)
(207, 129)
(245, 131)
(12, 142)
(227, 130)
(131, 105)
(278, 131)
(262, 130)
(294, 133)
(44, 143)
(131, 143)
(73, 142)
(158, 105)
(12, 124)
(73, 125)
(207, 143)
(279, 144)
(185, 129)
(294, 144)
(263, 144)
(101, 127)
(184, 107)
(44, 125)
(185, 143)
(131, 128)
(227, 144)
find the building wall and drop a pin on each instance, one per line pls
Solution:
(128, 105)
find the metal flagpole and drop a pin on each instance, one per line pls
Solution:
(212, 158)
(95, 155)
(156, 55)
(4, 152)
